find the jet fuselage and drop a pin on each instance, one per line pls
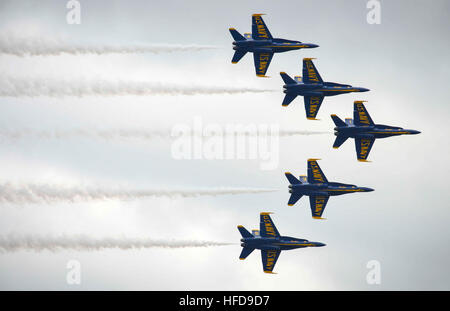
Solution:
(377, 131)
(281, 243)
(275, 45)
(320, 89)
(328, 189)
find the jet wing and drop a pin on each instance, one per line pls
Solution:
(312, 106)
(262, 62)
(267, 228)
(259, 28)
(315, 174)
(363, 146)
(318, 203)
(360, 115)
(269, 259)
(310, 73)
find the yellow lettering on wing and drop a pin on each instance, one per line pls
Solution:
(311, 72)
(313, 106)
(316, 172)
(320, 202)
(362, 114)
(365, 144)
(263, 61)
(260, 27)
(271, 255)
(270, 230)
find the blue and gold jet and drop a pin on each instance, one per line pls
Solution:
(318, 188)
(261, 43)
(270, 242)
(312, 88)
(363, 130)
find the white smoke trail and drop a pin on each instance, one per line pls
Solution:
(299, 132)
(14, 242)
(86, 133)
(45, 193)
(111, 134)
(38, 45)
(51, 87)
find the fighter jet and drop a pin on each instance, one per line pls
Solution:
(270, 242)
(261, 43)
(363, 130)
(318, 188)
(312, 88)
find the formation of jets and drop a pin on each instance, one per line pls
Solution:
(313, 89)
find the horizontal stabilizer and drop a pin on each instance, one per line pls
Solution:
(236, 35)
(244, 232)
(294, 198)
(292, 179)
(288, 99)
(337, 121)
(340, 139)
(237, 56)
(246, 251)
(287, 79)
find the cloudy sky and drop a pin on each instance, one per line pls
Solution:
(403, 224)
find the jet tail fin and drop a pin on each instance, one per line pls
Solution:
(244, 232)
(236, 35)
(338, 121)
(287, 79)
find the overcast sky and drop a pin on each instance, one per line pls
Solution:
(403, 224)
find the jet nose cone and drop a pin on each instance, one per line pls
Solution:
(366, 189)
(319, 244)
(312, 45)
(362, 89)
(413, 132)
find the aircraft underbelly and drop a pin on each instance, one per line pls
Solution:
(333, 93)
(269, 247)
(263, 50)
(338, 192)
(384, 135)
